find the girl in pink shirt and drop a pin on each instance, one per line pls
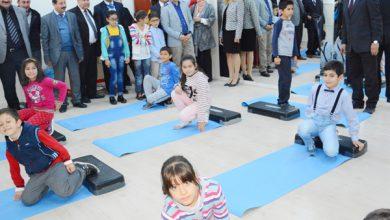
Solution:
(39, 92)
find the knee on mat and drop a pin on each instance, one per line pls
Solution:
(29, 201)
(303, 131)
(331, 151)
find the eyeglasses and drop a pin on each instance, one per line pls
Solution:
(113, 19)
(153, 20)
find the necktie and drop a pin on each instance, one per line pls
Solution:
(28, 11)
(329, 90)
(350, 6)
(111, 7)
(61, 15)
(90, 22)
(13, 32)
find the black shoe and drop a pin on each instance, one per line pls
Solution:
(125, 91)
(147, 106)
(79, 105)
(227, 84)
(97, 96)
(357, 105)
(369, 110)
(85, 100)
(63, 108)
(265, 74)
(233, 85)
(89, 168)
(247, 77)
(302, 58)
(113, 100)
(388, 100)
(284, 105)
(269, 70)
(244, 77)
(121, 99)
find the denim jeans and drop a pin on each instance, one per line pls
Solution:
(116, 74)
(142, 68)
(325, 128)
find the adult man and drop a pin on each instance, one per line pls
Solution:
(265, 43)
(62, 48)
(34, 22)
(14, 48)
(385, 46)
(361, 38)
(177, 21)
(89, 38)
(314, 12)
(297, 19)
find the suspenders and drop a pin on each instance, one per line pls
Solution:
(335, 102)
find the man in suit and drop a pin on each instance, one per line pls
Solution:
(125, 19)
(265, 43)
(34, 22)
(14, 48)
(385, 45)
(177, 21)
(314, 12)
(361, 39)
(62, 48)
(89, 38)
(297, 19)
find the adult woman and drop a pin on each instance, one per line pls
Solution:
(204, 17)
(230, 35)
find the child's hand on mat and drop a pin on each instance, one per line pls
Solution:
(178, 90)
(58, 105)
(18, 195)
(107, 63)
(277, 61)
(127, 61)
(201, 126)
(358, 144)
(70, 167)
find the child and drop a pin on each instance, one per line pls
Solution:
(284, 47)
(190, 197)
(326, 104)
(157, 91)
(39, 92)
(115, 53)
(192, 96)
(46, 161)
(158, 42)
(141, 41)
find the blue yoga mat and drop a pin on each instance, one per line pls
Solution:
(15, 210)
(268, 178)
(2, 150)
(274, 100)
(149, 138)
(106, 116)
(307, 68)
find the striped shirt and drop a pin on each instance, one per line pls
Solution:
(197, 89)
(141, 41)
(212, 205)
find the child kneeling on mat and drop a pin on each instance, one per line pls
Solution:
(192, 96)
(190, 197)
(157, 91)
(46, 161)
(326, 104)
(39, 92)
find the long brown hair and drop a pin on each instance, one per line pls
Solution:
(24, 80)
(177, 167)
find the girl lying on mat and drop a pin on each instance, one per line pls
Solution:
(189, 197)
(192, 96)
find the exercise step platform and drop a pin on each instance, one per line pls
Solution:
(58, 136)
(274, 110)
(346, 146)
(223, 116)
(106, 181)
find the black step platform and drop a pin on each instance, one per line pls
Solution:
(274, 110)
(58, 136)
(346, 146)
(223, 116)
(106, 181)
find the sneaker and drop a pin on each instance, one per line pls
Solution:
(369, 110)
(284, 105)
(265, 74)
(113, 100)
(89, 168)
(147, 106)
(121, 99)
(312, 151)
(269, 70)
(181, 125)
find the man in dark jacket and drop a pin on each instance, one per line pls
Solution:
(385, 45)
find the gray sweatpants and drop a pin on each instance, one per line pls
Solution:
(153, 91)
(69, 60)
(57, 179)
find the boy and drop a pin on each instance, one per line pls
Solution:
(157, 91)
(284, 47)
(46, 161)
(326, 104)
(158, 41)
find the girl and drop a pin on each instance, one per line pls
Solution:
(141, 41)
(189, 197)
(158, 42)
(39, 92)
(115, 53)
(192, 96)
(157, 91)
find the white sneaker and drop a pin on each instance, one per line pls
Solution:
(181, 125)
(89, 168)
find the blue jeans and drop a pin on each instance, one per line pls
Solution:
(142, 68)
(284, 82)
(116, 74)
(323, 127)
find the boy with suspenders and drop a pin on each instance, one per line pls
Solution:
(327, 103)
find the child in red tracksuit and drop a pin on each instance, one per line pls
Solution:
(39, 92)
(46, 161)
